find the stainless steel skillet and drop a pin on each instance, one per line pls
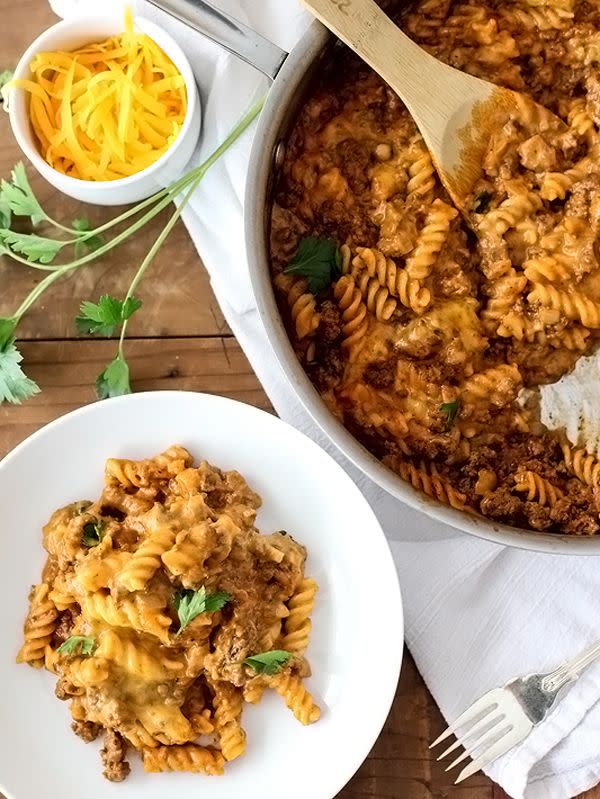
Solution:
(292, 74)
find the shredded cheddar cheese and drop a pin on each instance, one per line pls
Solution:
(107, 110)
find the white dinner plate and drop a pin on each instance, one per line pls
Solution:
(356, 644)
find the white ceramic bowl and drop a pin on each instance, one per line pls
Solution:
(355, 648)
(73, 33)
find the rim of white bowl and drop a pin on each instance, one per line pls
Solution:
(66, 26)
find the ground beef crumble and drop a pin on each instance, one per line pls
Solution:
(113, 756)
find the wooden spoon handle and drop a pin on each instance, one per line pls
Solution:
(362, 25)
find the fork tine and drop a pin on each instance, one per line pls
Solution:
(479, 729)
(496, 750)
(477, 708)
(488, 741)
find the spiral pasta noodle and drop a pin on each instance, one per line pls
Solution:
(431, 240)
(186, 757)
(302, 304)
(537, 488)
(394, 279)
(39, 628)
(297, 626)
(574, 305)
(354, 313)
(431, 484)
(296, 697)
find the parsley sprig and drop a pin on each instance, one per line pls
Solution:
(92, 532)
(40, 252)
(450, 409)
(78, 645)
(318, 260)
(268, 662)
(190, 604)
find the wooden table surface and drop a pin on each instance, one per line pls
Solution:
(179, 340)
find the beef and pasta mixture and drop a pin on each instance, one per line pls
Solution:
(425, 330)
(162, 610)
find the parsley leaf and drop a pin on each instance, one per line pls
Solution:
(7, 328)
(268, 662)
(20, 197)
(92, 533)
(190, 604)
(482, 202)
(37, 249)
(5, 212)
(114, 380)
(451, 410)
(77, 644)
(5, 77)
(105, 315)
(318, 260)
(15, 386)
(86, 243)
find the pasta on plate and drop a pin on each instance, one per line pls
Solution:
(162, 610)
(428, 331)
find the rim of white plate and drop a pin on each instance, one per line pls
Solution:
(387, 682)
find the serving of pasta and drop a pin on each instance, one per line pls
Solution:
(162, 610)
(428, 331)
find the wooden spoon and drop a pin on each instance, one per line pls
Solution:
(455, 112)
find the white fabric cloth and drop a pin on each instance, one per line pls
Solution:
(476, 614)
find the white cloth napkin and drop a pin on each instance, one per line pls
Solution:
(476, 614)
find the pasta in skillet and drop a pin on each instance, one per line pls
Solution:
(162, 610)
(428, 333)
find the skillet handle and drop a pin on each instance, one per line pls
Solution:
(223, 29)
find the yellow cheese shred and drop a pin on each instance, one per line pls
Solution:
(108, 109)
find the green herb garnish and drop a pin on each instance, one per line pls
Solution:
(15, 386)
(39, 252)
(190, 604)
(104, 316)
(318, 260)
(92, 533)
(482, 202)
(77, 645)
(268, 662)
(451, 410)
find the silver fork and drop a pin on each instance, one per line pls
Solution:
(504, 717)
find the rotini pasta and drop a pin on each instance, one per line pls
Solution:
(40, 625)
(432, 340)
(158, 623)
(537, 488)
(187, 757)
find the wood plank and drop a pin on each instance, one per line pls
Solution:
(177, 266)
(66, 372)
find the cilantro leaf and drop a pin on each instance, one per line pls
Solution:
(318, 260)
(114, 380)
(7, 328)
(86, 243)
(20, 197)
(37, 249)
(105, 315)
(92, 532)
(190, 604)
(77, 644)
(451, 410)
(268, 662)
(15, 386)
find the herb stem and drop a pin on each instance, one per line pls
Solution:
(153, 250)
(160, 201)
